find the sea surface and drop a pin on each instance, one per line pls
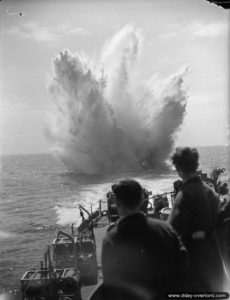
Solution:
(39, 197)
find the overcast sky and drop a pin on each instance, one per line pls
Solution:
(177, 33)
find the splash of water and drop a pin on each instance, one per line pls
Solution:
(105, 120)
(4, 235)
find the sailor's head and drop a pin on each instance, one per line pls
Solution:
(185, 160)
(128, 194)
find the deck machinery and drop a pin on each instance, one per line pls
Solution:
(47, 283)
(68, 264)
(149, 203)
(80, 251)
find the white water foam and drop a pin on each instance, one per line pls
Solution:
(106, 120)
(4, 235)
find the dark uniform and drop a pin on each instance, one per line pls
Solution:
(194, 216)
(142, 258)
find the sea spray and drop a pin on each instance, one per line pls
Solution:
(107, 121)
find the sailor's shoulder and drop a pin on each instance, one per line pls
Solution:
(111, 227)
(160, 227)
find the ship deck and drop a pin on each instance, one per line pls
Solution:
(100, 232)
(86, 291)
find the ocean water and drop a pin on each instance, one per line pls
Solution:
(39, 196)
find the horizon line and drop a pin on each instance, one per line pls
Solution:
(49, 152)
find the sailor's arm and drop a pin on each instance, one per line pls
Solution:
(179, 215)
(110, 266)
(179, 277)
(106, 258)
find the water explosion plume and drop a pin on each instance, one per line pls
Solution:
(105, 120)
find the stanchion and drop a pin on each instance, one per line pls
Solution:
(100, 208)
